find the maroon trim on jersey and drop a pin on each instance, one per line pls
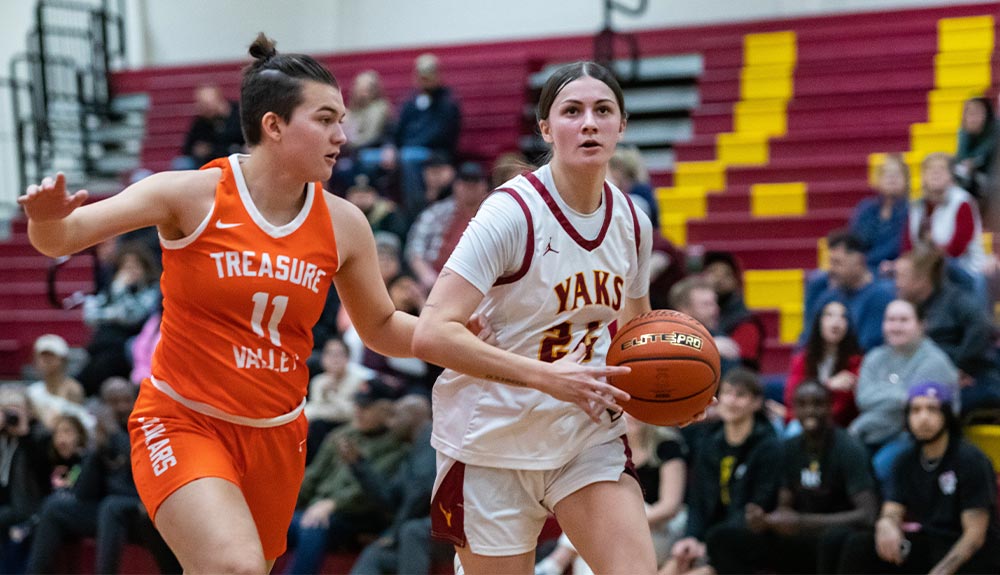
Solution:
(529, 248)
(588, 245)
(629, 465)
(447, 507)
(635, 223)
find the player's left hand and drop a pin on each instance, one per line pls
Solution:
(478, 325)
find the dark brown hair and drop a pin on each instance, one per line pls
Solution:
(273, 83)
(566, 74)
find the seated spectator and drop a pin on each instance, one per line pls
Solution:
(118, 314)
(954, 323)
(429, 121)
(735, 321)
(850, 281)
(826, 489)
(880, 222)
(103, 502)
(831, 357)
(56, 393)
(736, 465)
(508, 166)
(941, 514)
(948, 217)
(23, 445)
(439, 178)
(908, 358)
(382, 213)
(627, 172)
(215, 131)
(366, 125)
(977, 146)
(142, 346)
(438, 228)
(333, 509)
(694, 296)
(667, 266)
(405, 546)
(662, 472)
(331, 393)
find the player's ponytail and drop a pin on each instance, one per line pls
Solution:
(273, 83)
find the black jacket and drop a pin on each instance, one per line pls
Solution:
(756, 477)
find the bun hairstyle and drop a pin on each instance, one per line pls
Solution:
(273, 83)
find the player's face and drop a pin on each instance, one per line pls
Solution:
(315, 132)
(925, 418)
(584, 123)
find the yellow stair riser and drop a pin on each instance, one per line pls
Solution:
(773, 288)
(778, 199)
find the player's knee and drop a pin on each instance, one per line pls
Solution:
(232, 563)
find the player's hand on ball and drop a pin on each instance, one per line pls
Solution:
(584, 385)
(49, 201)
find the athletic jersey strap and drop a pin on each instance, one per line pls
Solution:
(529, 247)
(635, 223)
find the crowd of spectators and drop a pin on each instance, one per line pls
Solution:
(896, 335)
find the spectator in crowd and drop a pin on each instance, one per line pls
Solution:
(908, 358)
(736, 465)
(851, 282)
(438, 228)
(696, 297)
(215, 131)
(405, 546)
(367, 123)
(948, 217)
(977, 146)
(382, 213)
(953, 322)
(627, 172)
(331, 393)
(667, 266)
(23, 446)
(880, 222)
(735, 321)
(659, 460)
(103, 502)
(56, 393)
(429, 121)
(439, 177)
(142, 346)
(508, 166)
(333, 508)
(941, 514)
(831, 357)
(826, 489)
(118, 314)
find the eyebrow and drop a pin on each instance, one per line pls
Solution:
(331, 109)
(601, 101)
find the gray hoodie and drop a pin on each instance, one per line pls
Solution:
(886, 376)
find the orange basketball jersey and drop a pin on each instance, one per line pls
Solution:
(240, 298)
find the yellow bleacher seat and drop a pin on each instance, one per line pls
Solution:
(787, 199)
(986, 438)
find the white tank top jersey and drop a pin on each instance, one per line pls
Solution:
(551, 278)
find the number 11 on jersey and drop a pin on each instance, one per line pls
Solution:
(279, 303)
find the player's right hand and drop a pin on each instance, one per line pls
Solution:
(49, 201)
(569, 380)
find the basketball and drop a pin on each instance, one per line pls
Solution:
(675, 367)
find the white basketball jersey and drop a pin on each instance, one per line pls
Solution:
(548, 286)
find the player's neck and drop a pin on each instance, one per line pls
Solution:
(581, 189)
(277, 195)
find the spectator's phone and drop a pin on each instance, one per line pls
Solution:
(904, 549)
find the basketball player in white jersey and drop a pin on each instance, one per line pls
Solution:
(529, 426)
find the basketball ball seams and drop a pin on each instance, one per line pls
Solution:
(673, 399)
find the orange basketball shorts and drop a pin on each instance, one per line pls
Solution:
(173, 446)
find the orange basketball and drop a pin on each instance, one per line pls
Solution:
(675, 367)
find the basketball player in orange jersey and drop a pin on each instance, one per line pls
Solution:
(251, 244)
(529, 426)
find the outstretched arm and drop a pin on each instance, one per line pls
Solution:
(58, 223)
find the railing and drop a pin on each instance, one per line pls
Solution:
(60, 86)
(604, 41)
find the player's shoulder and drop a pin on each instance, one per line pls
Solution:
(348, 220)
